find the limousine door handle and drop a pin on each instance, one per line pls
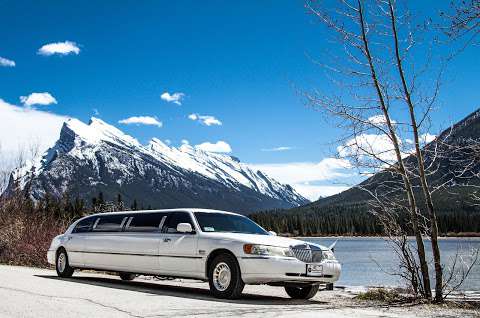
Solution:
(167, 239)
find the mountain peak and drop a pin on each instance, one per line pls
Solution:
(97, 120)
(97, 130)
(157, 145)
(75, 128)
(156, 174)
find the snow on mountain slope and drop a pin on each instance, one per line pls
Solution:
(100, 157)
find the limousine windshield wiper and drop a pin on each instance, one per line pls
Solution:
(228, 250)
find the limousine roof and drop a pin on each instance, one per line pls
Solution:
(72, 226)
(162, 210)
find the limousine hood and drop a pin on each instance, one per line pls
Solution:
(271, 240)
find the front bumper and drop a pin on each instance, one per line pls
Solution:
(260, 270)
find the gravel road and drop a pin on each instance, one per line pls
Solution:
(31, 292)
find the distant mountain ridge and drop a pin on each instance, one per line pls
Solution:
(93, 158)
(458, 134)
(348, 212)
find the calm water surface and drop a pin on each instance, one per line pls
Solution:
(366, 261)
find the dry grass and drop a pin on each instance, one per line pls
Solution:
(385, 295)
(25, 234)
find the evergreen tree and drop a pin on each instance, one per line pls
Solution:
(134, 205)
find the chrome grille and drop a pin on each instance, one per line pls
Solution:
(303, 253)
(307, 254)
(317, 256)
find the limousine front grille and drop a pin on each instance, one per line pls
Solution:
(307, 254)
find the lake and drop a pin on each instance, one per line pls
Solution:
(366, 260)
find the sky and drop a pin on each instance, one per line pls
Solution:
(222, 74)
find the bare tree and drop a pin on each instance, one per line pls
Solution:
(407, 97)
(388, 212)
(384, 99)
(463, 21)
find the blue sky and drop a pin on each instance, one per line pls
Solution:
(235, 61)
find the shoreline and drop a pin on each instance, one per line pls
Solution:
(442, 237)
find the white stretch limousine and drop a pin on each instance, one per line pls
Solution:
(228, 250)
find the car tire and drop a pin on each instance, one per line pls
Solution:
(302, 292)
(62, 265)
(127, 276)
(224, 277)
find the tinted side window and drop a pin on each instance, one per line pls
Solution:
(84, 225)
(174, 219)
(145, 222)
(109, 223)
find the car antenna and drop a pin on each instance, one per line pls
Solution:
(332, 246)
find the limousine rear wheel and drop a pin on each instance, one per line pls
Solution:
(61, 265)
(224, 277)
(302, 292)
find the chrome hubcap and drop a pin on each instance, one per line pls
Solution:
(222, 276)
(61, 262)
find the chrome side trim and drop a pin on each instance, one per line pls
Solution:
(137, 254)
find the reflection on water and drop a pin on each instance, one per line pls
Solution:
(367, 261)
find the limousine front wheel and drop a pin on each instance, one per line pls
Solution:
(224, 277)
(61, 265)
(302, 292)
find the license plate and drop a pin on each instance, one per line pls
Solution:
(314, 270)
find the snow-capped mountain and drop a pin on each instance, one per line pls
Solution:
(93, 158)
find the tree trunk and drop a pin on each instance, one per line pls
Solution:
(407, 184)
(421, 168)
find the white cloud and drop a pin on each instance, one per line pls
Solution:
(426, 138)
(141, 120)
(62, 48)
(301, 172)
(23, 130)
(219, 146)
(302, 176)
(364, 145)
(205, 119)
(175, 98)
(423, 138)
(379, 120)
(281, 148)
(315, 192)
(38, 99)
(6, 62)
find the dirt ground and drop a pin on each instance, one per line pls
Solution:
(32, 292)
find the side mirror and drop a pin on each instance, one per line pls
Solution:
(184, 228)
(272, 233)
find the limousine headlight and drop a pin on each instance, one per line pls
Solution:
(256, 249)
(328, 255)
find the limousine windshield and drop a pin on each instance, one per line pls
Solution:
(222, 222)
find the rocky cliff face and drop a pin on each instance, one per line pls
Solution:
(93, 158)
